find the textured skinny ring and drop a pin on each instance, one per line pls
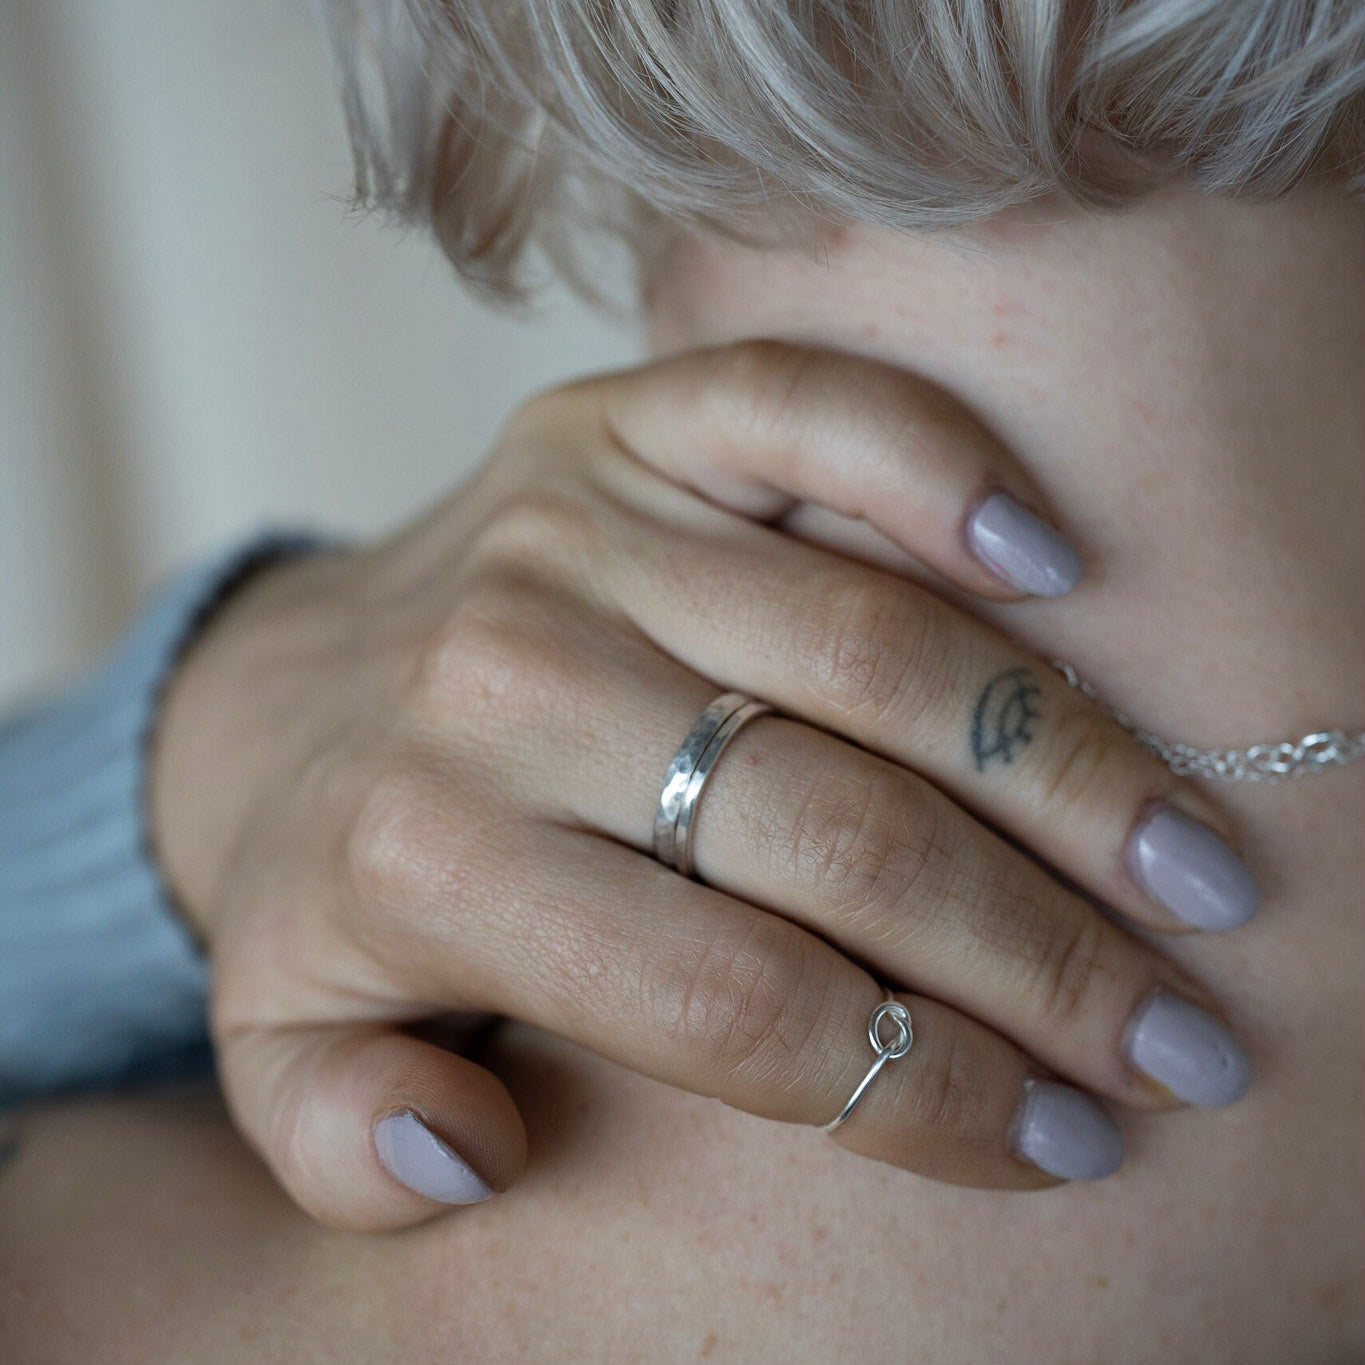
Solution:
(687, 773)
(886, 1052)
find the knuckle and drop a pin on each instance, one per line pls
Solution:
(876, 847)
(752, 385)
(496, 652)
(295, 1106)
(875, 653)
(391, 841)
(862, 659)
(945, 1098)
(744, 1006)
(548, 528)
(464, 665)
(1068, 972)
(1084, 752)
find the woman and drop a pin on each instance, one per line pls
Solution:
(1174, 374)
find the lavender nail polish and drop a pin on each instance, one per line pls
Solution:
(1187, 1050)
(1191, 871)
(1063, 1132)
(417, 1158)
(1024, 550)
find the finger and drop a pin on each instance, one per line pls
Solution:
(903, 673)
(882, 865)
(684, 984)
(368, 1128)
(871, 857)
(938, 1109)
(759, 426)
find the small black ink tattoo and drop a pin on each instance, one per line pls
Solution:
(1000, 723)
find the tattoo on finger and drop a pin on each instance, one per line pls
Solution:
(1003, 718)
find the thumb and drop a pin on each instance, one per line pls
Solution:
(368, 1128)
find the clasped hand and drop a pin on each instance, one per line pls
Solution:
(418, 779)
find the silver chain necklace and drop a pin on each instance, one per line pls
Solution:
(1260, 763)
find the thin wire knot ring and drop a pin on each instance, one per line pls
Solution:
(886, 1052)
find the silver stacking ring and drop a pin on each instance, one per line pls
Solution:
(687, 773)
(886, 1052)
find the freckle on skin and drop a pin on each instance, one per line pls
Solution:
(999, 338)
(1331, 1296)
(708, 1346)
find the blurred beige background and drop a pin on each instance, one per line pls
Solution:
(194, 337)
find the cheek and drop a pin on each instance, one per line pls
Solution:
(675, 283)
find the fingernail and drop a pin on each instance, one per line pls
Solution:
(417, 1158)
(1024, 550)
(1187, 1050)
(1064, 1133)
(1191, 871)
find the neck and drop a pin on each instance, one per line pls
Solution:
(1181, 378)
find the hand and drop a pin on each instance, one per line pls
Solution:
(419, 780)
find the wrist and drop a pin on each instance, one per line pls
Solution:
(212, 737)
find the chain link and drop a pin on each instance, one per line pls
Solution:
(1260, 763)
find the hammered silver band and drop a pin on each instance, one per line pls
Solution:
(687, 773)
(885, 1052)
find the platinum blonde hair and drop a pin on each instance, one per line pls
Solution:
(496, 124)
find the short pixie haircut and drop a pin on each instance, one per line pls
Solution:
(496, 124)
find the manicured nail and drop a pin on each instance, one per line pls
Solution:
(1187, 1050)
(1024, 550)
(1064, 1133)
(1191, 871)
(417, 1158)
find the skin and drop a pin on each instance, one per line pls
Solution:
(440, 832)
(1180, 378)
